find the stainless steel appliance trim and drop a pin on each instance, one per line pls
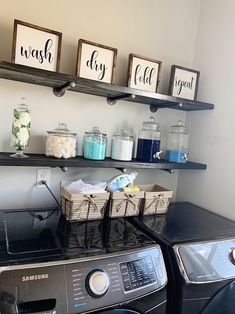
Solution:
(76, 260)
(181, 264)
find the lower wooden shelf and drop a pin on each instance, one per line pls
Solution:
(40, 160)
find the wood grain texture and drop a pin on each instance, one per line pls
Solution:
(21, 73)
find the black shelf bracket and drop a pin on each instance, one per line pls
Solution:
(123, 170)
(171, 171)
(113, 100)
(153, 108)
(64, 168)
(59, 92)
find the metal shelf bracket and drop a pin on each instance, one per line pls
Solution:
(113, 100)
(153, 108)
(60, 91)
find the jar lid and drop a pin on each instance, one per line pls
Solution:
(95, 132)
(179, 127)
(62, 130)
(124, 135)
(151, 124)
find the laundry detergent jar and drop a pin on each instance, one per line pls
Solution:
(148, 147)
(122, 146)
(95, 144)
(177, 143)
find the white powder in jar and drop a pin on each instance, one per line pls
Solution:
(122, 149)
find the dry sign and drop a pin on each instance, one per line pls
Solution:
(96, 61)
(184, 82)
(143, 73)
(36, 46)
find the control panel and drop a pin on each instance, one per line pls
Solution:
(138, 273)
(206, 261)
(86, 284)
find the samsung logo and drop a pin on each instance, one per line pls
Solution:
(35, 277)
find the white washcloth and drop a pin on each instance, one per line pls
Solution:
(86, 188)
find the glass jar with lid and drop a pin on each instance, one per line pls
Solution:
(122, 146)
(95, 144)
(148, 147)
(21, 125)
(61, 142)
(177, 143)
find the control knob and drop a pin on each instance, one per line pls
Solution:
(97, 283)
(232, 255)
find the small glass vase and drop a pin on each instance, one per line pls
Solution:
(21, 129)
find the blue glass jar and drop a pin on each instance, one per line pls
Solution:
(95, 145)
(148, 147)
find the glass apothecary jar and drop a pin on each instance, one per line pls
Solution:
(61, 142)
(122, 146)
(177, 143)
(21, 125)
(148, 147)
(95, 144)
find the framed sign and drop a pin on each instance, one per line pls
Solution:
(184, 82)
(143, 73)
(36, 46)
(95, 61)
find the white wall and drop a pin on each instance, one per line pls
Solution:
(212, 133)
(161, 29)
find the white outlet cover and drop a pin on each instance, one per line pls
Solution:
(43, 175)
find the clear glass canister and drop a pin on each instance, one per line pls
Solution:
(95, 144)
(177, 143)
(21, 125)
(61, 142)
(122, 146)
(148, 147)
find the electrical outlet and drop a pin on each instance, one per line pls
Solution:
(43, 175)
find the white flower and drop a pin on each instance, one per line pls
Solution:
(23, 136)
(24, 118)
(16, 123)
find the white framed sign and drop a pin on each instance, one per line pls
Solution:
(36, 46)
(184, 82)
(143, 73)
(95, 61)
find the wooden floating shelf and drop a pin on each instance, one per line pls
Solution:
(38, 160)
(21, 73)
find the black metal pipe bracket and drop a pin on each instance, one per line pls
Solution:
(113, 100)
(60, 91)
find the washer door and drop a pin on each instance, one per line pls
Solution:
(223, 301)
(119, 311)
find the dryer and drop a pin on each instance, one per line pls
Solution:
(199, 252)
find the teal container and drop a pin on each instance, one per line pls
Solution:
(95, 144)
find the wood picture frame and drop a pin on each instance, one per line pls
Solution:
(143, 73)
(96, 61)
(36, 46)
(184, 82)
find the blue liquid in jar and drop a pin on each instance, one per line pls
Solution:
(147, 149)
(176, 156)
(94, 149)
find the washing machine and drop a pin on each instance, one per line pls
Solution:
(52, 266)
(199, 251)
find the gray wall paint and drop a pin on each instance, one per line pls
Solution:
(212, 133)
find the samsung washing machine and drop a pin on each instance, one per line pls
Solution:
(199, 251)
(51, 266)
